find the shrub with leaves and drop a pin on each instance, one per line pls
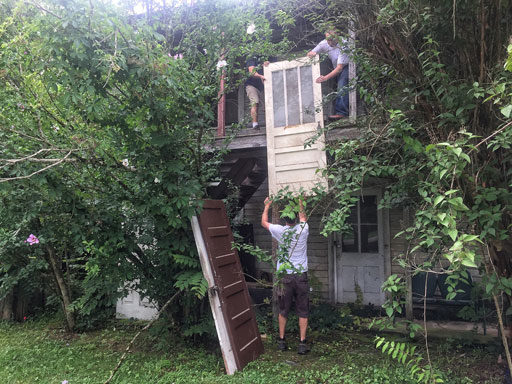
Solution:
(106, 119)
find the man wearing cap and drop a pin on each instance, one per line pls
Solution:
(254, 87)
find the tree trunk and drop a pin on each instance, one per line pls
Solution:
(65, 294)
(6, 307)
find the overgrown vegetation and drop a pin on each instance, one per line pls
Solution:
(435, 79)
(40, 351)
(105, 120)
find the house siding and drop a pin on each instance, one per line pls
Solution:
(397, 244)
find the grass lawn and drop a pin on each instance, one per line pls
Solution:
(41, 352)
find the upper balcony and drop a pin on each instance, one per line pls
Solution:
(292, 111)
(234, 108)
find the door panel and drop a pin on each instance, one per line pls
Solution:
(372, 281)
(235, 320)
(359, 262)
(293, 102)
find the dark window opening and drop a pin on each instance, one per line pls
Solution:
(364, 236)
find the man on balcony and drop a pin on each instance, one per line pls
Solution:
(254, 87)
(339, 61)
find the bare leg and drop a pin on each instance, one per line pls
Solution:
(254, 113)
(303, 326)
(282, 325)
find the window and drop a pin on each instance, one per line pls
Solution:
(364, 237)
(292, 96)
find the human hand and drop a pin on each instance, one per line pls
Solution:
(267, 202)
(266, 63)
(321, 79)
(311, 54)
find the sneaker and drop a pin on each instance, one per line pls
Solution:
(281, 344)
(303, 348)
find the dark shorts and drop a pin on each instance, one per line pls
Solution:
(295, 286)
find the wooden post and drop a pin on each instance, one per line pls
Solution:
(241, 103)
(408, 274)
(221, 107)
(352, 96)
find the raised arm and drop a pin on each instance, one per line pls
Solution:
(302, 214)
(253, 71)
(264, 216)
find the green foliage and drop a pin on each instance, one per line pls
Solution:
(407, 356)
(395, 286)
(325, 317)
(106, 136)
(437, 136)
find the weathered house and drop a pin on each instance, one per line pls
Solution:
(260, 162)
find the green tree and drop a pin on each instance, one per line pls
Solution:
(106, 121)
(435, 79)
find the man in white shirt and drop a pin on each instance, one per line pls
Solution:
(339, 61)
(293, 262)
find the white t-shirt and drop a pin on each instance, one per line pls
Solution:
(334, 53)
(298, 250)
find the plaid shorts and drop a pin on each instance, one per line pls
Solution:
(295, 286)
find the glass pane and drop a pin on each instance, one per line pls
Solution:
(306, 93)
(368, 209)
(369, 238)
(292, 96)
(352, 219)
(278, 99)
(349, 241)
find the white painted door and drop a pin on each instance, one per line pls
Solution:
(293, 104)
(359, 263)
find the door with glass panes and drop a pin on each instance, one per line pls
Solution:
(359, 261)
(293, 105)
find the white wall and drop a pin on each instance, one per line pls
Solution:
(131, 306)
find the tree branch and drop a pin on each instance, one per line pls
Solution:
(5, 179)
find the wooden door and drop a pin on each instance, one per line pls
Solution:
(293, 104)
(234, 316)
(359, 263)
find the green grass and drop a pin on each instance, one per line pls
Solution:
(40, 352)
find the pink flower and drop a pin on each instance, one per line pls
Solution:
(178, 56)
(24, 318)
(31, 240)
(64, 382)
